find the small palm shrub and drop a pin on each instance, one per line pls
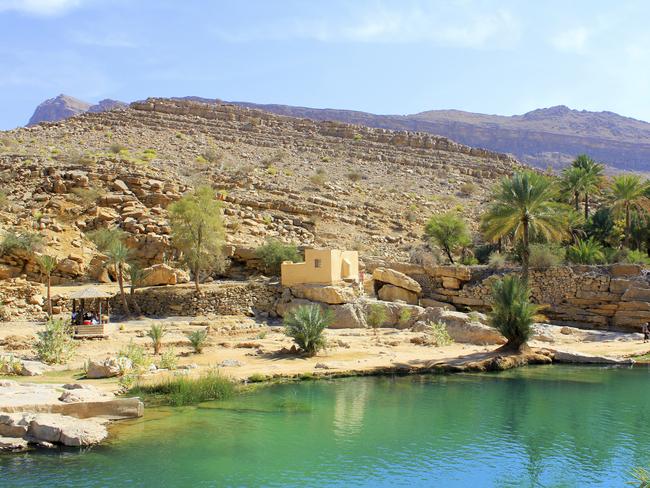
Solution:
(376, 317)
(55, 344)
(439, 334)
(156, 334)
(512, 313)
(586, 251)
(273, 253)
(305, 325)
(198, 339)
(637, 257)
(545, 256)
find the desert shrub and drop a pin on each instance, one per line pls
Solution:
(273, 253)
(545, 256)
(149, 154)
(77, 158)
(272, 170)
(106, 239)
(483, 252)
(117, 148)
(156, 334)
(439, 334)
(184, 390)
(404, 317)
(376, 316)
(21, 241)
(468, 260)
(10, 365)
(55, 344)
(449, 232)
(135, 353)
(198, 339)
(211, 155)
(587, 251)
(305, 325)
(512, 313)
(257, 378)
(168, 359)
(636, 257)
(88, 196)
(318, 179)
(468, 188)
(358, 137)
(354, 176)
(497, 260)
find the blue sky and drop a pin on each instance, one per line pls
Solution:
(399, 56)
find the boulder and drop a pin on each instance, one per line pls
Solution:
(107, 368)
(331, 294)
(346, 316)
(561, 356)
(431, 303)
(65, 430)
(392, 293)
(163, 274)
(462, 328)
(14, 424)
(396, 278)
(462, 273)
(33, 368)
(13, 444)
(398, 314)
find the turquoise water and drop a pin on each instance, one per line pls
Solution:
(544, 426)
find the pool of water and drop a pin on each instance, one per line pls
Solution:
(538, 426)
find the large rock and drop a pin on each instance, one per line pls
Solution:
(163, 274)
(399, 315)
(107, 368)
(33, 368)
(623, 269)
(392, 293)
(396, 278)
(462, 327)
(346, 316)
(333, 295)
(431, 303)
(14, 424)
(13, 444)
(561, 356)
(65, 430)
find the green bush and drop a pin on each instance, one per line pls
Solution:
(156, 334)
(497, 260)
(183, 390)
(439, 334)
(55, 344)
(23, 241)
(588, 251)
(106, 239)
(545, 256)
(168, 360)
(318, 179)
(512, 313)
(198, 339)
(376, 316)
(484, 251)
(257, 378)
(10, 365)
(305, 325)
(449, 232)
(273, 253)
(140, 362)
(637, 257)
(404, 317)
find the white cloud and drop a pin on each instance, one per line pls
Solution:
(459, 24)
(572, 40)
(40, 7)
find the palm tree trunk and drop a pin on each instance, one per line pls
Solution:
(586, 205)
(120, 281)
(525, 253)
(627, 225)
(576, 200)
(49, 296)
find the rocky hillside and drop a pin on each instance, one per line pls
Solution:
(544, 137)
(64, 106)
(307, 182)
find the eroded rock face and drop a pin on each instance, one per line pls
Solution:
(69, 431)
(392, 293)
(163, 274)
(462, 328)
(331, 294)
(397, 279)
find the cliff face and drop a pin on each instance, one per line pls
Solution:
(64, 106)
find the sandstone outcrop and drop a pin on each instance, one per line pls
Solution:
(163, 274)
(331, 294)
(396, 278)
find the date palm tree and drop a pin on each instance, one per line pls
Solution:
(591, 177)
(118, 254)
(525, 205)
(48, 265)
(572, 183)
(628, 193)
(512, 312)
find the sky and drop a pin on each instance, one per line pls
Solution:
(382, 56)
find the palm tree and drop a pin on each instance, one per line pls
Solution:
(592, 177)
(587, 251)
(137, 276)
(572, 182)
(118, 254)
(512, 313)
(48, 265)
(628, 193)
(524, 205)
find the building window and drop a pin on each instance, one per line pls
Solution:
(317, 263)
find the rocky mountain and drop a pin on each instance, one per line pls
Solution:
(302, 181)
(64, 106)
(544, 137)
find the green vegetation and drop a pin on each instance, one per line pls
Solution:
(376, 316)
(628, 194)
(449, 232)
(10, 365)
(168, 360)
(182, 390)
(55, 344)
(48, 265)
(354, 176)
(512, 313)
(198, 338)
(28, 242)
(439, 334)
(305, 325)
(197, 230)
(118, 255)
(105, 238)
(404, 317)
(156, 333)
(140, 362)
(543, 256)
(257, 378)
(587, 251)
(273, 253)
(524, 206)
(497, 260)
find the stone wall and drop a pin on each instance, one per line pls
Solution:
(603, 297)
(238, 298)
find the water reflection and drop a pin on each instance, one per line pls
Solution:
(350, 404)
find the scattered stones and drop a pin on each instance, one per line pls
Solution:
(107, 368)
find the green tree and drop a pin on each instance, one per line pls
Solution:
(273, 253)
(305, 325)
(628, 192)
(524, 206)
(197, 230)
(156, 334)
(587, 251)
(118, 255)
(48, 265)
(572, 183)
(449, 232)
(512, 313)
(591, 177)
